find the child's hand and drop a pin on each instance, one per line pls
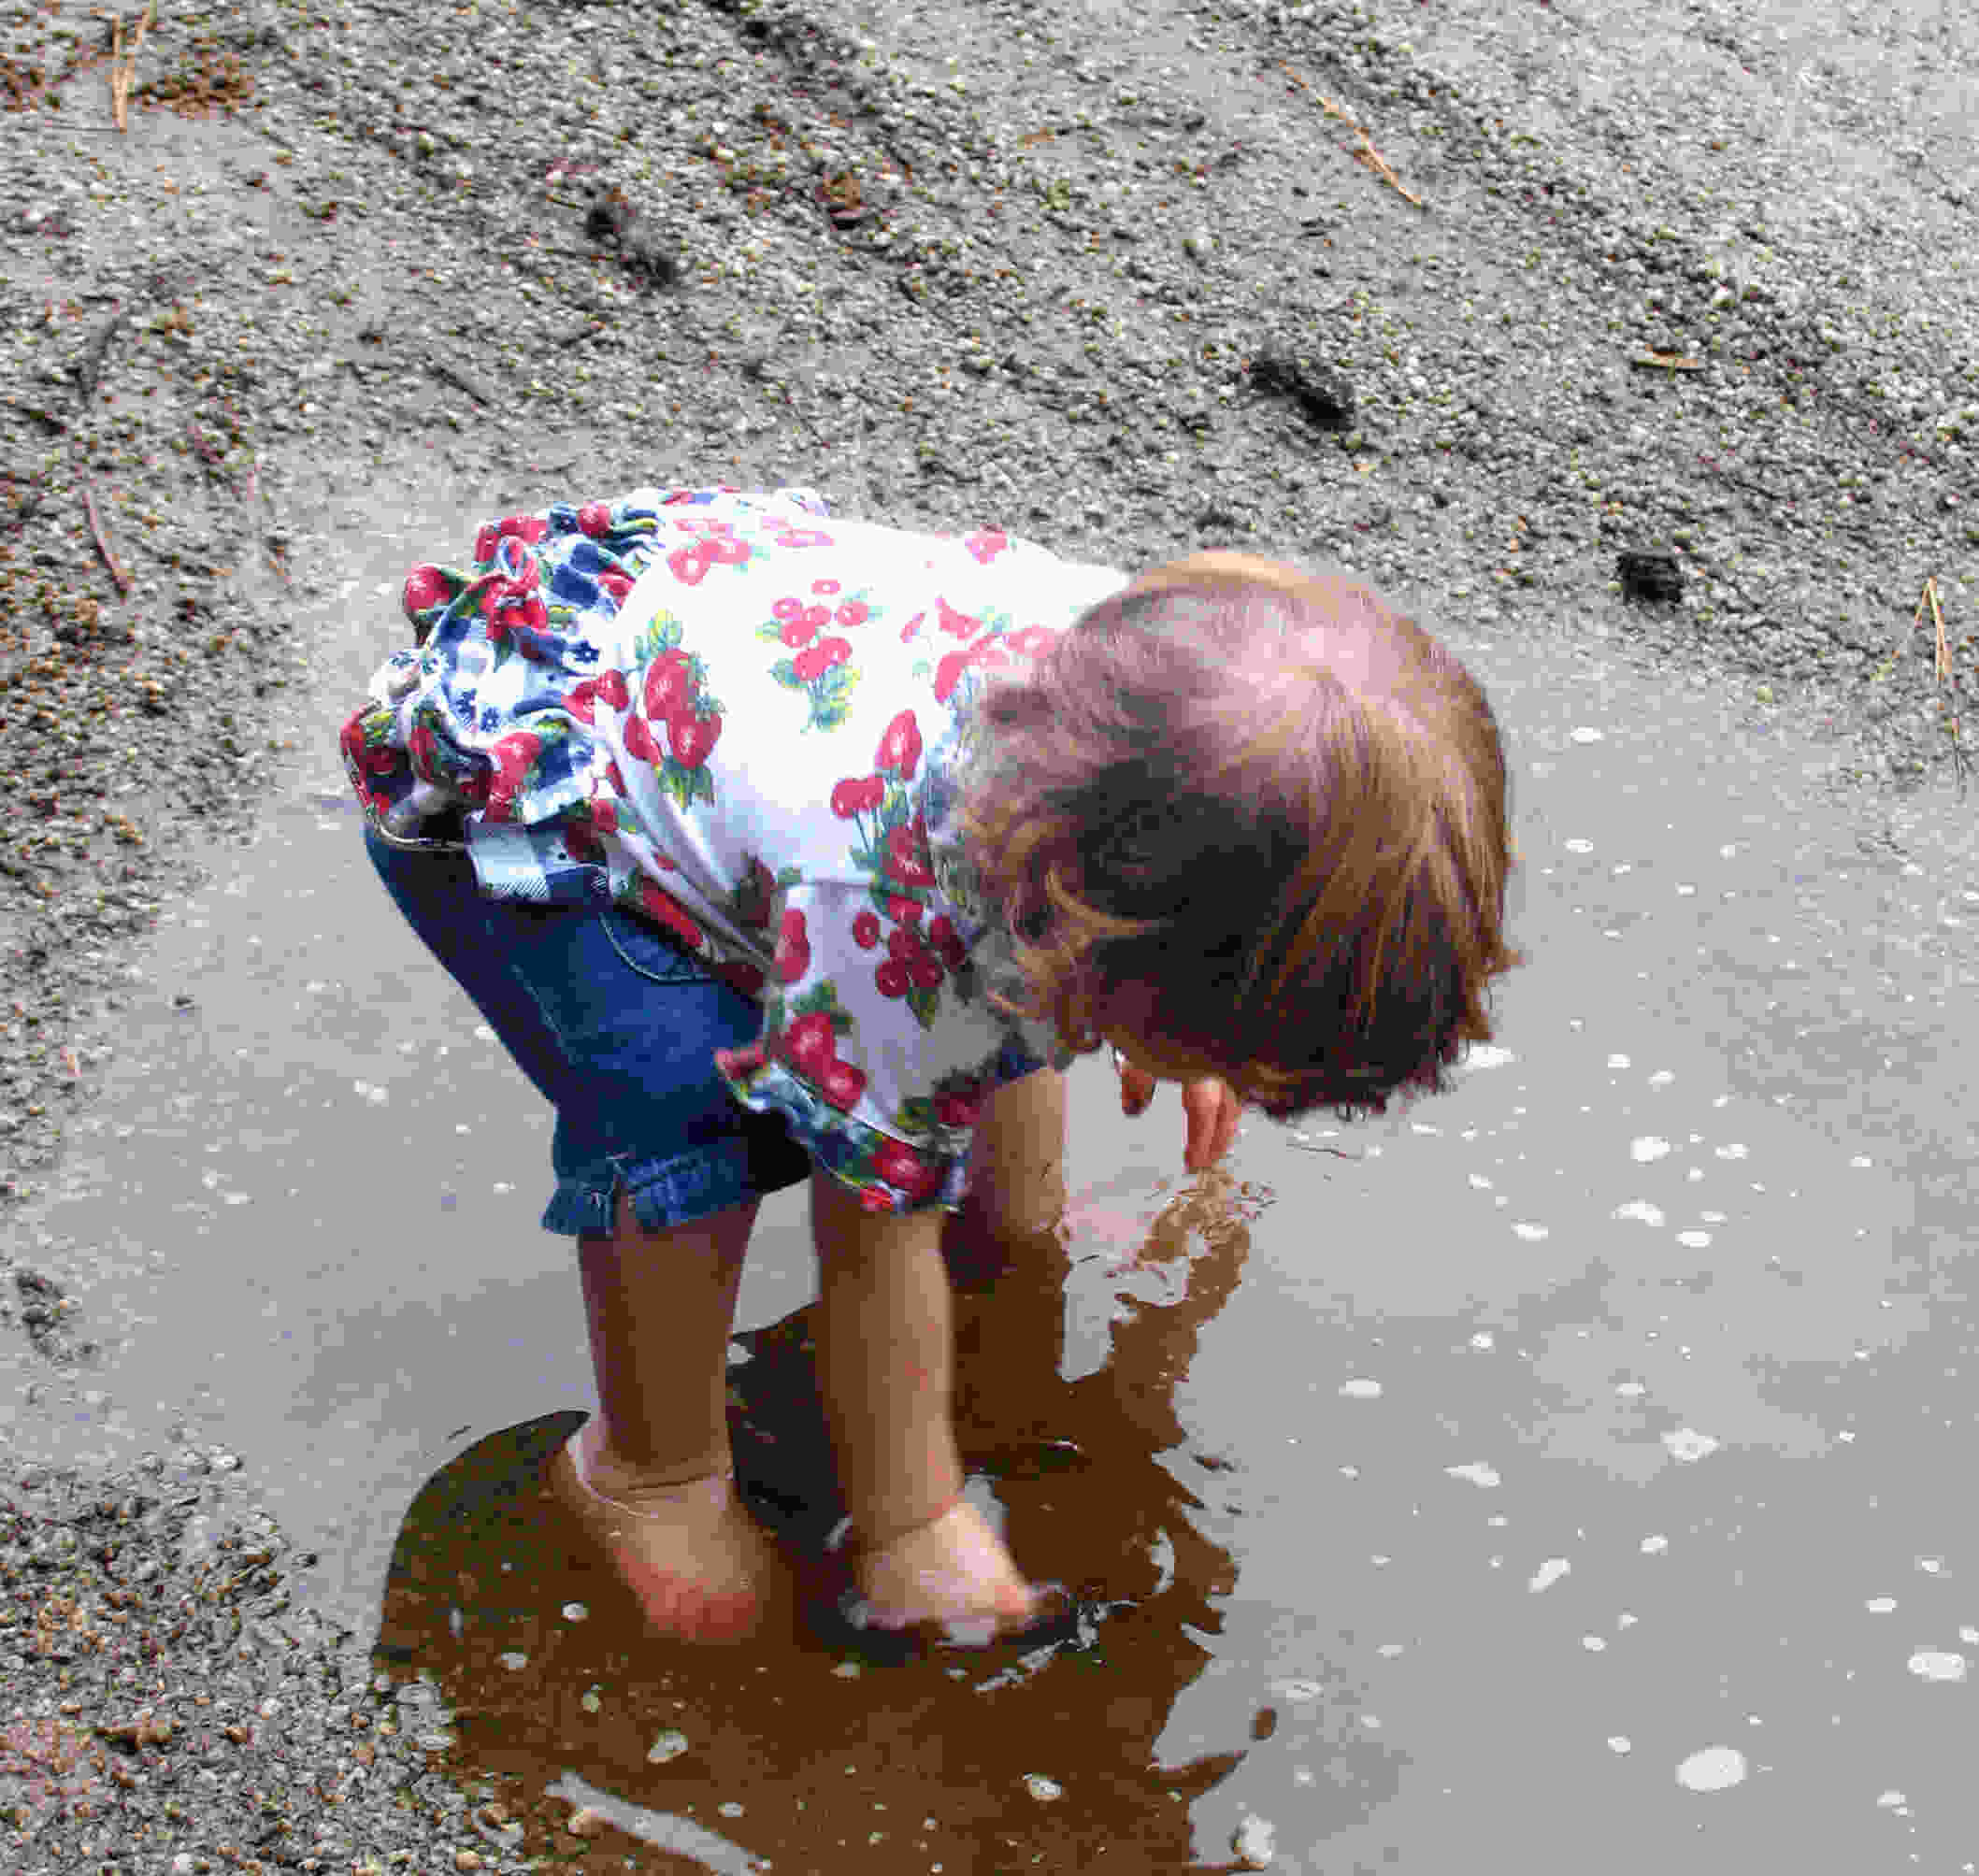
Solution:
(1213, 1110)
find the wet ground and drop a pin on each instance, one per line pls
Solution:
(1571, 1471)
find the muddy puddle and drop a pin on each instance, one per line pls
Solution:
(1570, 1461)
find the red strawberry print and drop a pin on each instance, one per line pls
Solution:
(903, 910)
(900, 746)
(958, 1110)
(809, 1045)
(594, 518)
(865, 931)
(352, 741)
(854, 612)
(899, 1165)
(813, 664)
(825, 587)
(425, 586)
(531, 528)
(925, 970)
(615, 583)
(639, 744)
(526, 615)
(580, 700)
(664, 909)
(857, 795)
(948, 674)
(614, 775)
(692, 737)
(904, 943)
(797, 634)
(946, 939)
(611, 688)
(793, 948)
(689, 565)
(669, 685)
(986, 543)
(843, 1084)
(741, 1062)
(512, 757)
(604, 813)
(892, 979)
(904, 847)
(957, 624)
(423, 748)
(724, 549)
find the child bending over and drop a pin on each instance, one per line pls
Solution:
(776, 847)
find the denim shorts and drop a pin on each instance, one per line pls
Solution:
(617, 1028)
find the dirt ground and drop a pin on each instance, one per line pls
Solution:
(1658, 331)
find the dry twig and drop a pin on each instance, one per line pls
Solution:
(124, 71)
(103, 546)
(1942, 671)
(462, 380)
(1364, 152)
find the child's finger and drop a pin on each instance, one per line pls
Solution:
(1200, 1101)
(1229, 1111)
(1136, 1089)
(1213, 1110)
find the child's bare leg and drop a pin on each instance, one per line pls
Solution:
(650, 1478)
(885, 1361)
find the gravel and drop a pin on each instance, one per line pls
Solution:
(1677, 352)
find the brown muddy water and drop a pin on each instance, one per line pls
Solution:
(1564, 1473)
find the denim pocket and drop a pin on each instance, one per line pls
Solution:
(642, 947)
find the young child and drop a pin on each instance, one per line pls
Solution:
(776, 847)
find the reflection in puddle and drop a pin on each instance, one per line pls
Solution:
(611, 1750)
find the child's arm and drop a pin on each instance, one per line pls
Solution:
(1017, 1167)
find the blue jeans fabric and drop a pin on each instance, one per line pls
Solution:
(617, 1028)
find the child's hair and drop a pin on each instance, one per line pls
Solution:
(1257, 818)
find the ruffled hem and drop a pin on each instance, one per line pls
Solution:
(888, 1174)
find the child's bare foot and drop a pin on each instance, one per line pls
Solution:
(699, 1565)
(952, 1575)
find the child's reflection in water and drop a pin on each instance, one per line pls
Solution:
(940, 1758)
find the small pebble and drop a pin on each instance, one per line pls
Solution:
(1714, 1768)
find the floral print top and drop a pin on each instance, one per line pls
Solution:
(750, 723)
